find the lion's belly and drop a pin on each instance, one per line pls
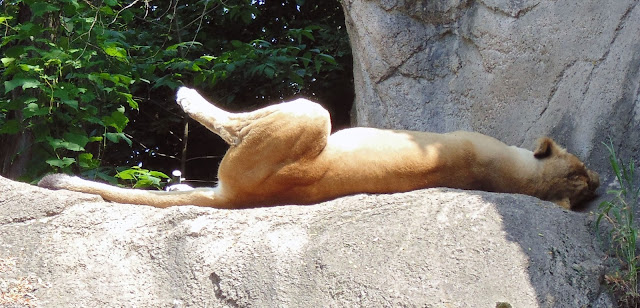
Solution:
(368, 160)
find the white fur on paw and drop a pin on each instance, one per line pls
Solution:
(178, 187)
(189, 100)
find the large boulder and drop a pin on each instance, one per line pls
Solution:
(515, 70)
(427, 248)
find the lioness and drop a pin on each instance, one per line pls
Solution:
(284, 154)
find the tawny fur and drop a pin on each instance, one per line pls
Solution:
(284, 154)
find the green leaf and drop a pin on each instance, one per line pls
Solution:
(269, 71)
(132, 103)
(5, 18)
(86, 161)
(33, 109)
(129, 174)
(237, 44)
(166, 81)
(10, 127)
(71, 7)
(59, 143)
(115, 51)
(79, 138)
(88, 97)
(116, 137)
(158, 174)
(116, 120)
(71, 103)
(261, 43)
(142, 177)
(7, 61)
(296, 78)
(61, 163)
(308, 35)
(306, 58)
(113, 137)
(146, 182)
(28, 68)
(25, 83)
(183, 44)
(327, 58)
(39, 8)
(15, 51)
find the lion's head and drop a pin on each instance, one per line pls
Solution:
(566, 180)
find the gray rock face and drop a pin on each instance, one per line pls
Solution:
(428, 248)
(515, 70)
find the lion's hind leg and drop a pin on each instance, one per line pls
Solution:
(273, 149)
(289, 120)
(210, 116)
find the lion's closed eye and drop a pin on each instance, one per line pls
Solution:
(577, 177)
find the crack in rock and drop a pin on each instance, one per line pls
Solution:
(217, 288)
(513, 13)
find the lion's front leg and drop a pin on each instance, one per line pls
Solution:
(212, 117)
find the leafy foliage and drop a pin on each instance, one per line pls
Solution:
(80, 78)
(142, 178)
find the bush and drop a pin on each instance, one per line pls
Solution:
(79, 77)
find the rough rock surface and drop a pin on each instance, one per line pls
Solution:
(428, 248)
(515, 70)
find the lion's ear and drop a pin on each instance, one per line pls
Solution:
(546, 148)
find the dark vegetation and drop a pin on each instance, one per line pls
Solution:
(88, 86)
(621, 234)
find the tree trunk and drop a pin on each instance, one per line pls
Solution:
(15, 152)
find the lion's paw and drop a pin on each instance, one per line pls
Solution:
(55, 181)
(190, 101)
